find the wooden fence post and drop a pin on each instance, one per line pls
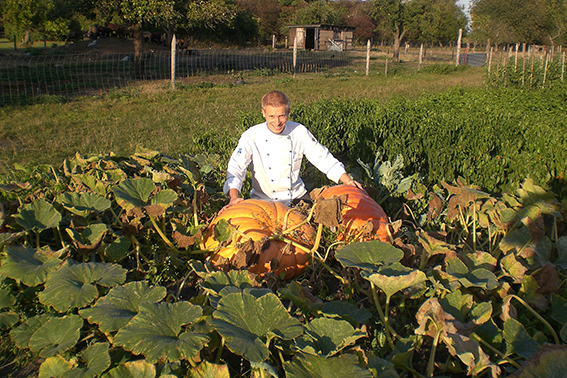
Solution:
(273, 41)
(386, 68)
(563, 67)
(173, 51)
(420, 56)
(367, 57)
(459, 47)
(489, 61)
(294, 55)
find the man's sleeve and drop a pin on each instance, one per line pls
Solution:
(237, 165)
(322, 159)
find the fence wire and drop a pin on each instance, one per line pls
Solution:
(25, 78)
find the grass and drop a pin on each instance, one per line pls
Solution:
(155, 117)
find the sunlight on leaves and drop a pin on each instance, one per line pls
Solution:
(394, 278)
(83, 204)
(132, 193)
(326, 337)
(518, 340)
(133, 369)
(209, 370)
(369, 255)
(55, 366)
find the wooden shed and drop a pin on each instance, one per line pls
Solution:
(321, 37)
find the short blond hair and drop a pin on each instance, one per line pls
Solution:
(275, 99)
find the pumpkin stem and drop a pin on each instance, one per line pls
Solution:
(160, 232)
(306, 220)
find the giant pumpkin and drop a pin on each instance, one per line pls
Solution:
(358, 209)
(259, 220)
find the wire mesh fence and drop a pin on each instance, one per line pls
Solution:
(24, 78)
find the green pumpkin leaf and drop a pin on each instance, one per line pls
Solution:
(8, 319)
(529, 292)
(515, 240)
(6, 299)
(156, 332)
(209, 370)
(216, 281)
(306, 366)
(164, 197)
(97, 360)
(457, 304)
(54, 367)
(394, 278)
(118, 249)
(369, 255)
(347, 311)
(22, 334)
(561, 252)
(326, 337)
(98, 186)
(132, 193)
(133, 369)
(301, 297)
(28, 265)
(559, 308)
(38, 215)
(518, 340)
(513, 268)
(121, 304)
(56, 335)
(471, 354)
(77, 282)
(90, 235)
(246, 321)
(83, 204)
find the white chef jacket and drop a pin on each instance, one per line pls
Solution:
(276, 161)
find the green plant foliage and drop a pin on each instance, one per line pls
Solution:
(133, 369)
(56, 335)
(38, 215)
(28, 265)
(369, 255)
(121, 304)
(326, 337)
(319, 367)
(394, 278)
(246, 324)
(79, 282)
(157, 332)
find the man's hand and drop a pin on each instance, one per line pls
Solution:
(354, 183)
(234, 199)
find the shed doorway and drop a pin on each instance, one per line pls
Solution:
(310, 38)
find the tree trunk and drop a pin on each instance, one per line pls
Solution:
(397, 42)
(138, 51)
(27, 38)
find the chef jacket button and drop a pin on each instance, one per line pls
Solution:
(268, 154)
(269, 167)
(272, 180)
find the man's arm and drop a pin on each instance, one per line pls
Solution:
(345, 179)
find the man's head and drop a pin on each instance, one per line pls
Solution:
(275, 109)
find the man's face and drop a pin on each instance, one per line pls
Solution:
(276, 118)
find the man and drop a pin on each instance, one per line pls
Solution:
(276, 148)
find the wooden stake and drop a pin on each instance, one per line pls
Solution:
(173, 51)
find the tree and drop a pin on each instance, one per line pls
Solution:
(511, 21)
(23, 17)
(437, 20)
(396, 17)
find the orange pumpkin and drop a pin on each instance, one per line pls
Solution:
(359, 209)
(257, 219)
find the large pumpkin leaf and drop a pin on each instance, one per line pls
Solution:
(479, 277)
(22, 334)
(90, 235)
(369, 255)
(156, 332)
(6, 299)
(208, 370)
(216, 281)
(83, 204)
(518, 340)
(307, 366)
(326, 337)
(121, 304)
(380, 367)
(28, 265)
(118, 249)
(54, 367)
(347, 311)
(74, 284)
(301, 297)
(247, 321)
(96, 360)
(56, 335)
(394, 278)
(132, 193)
(7, 318)
(132, 369)
(38, 215)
